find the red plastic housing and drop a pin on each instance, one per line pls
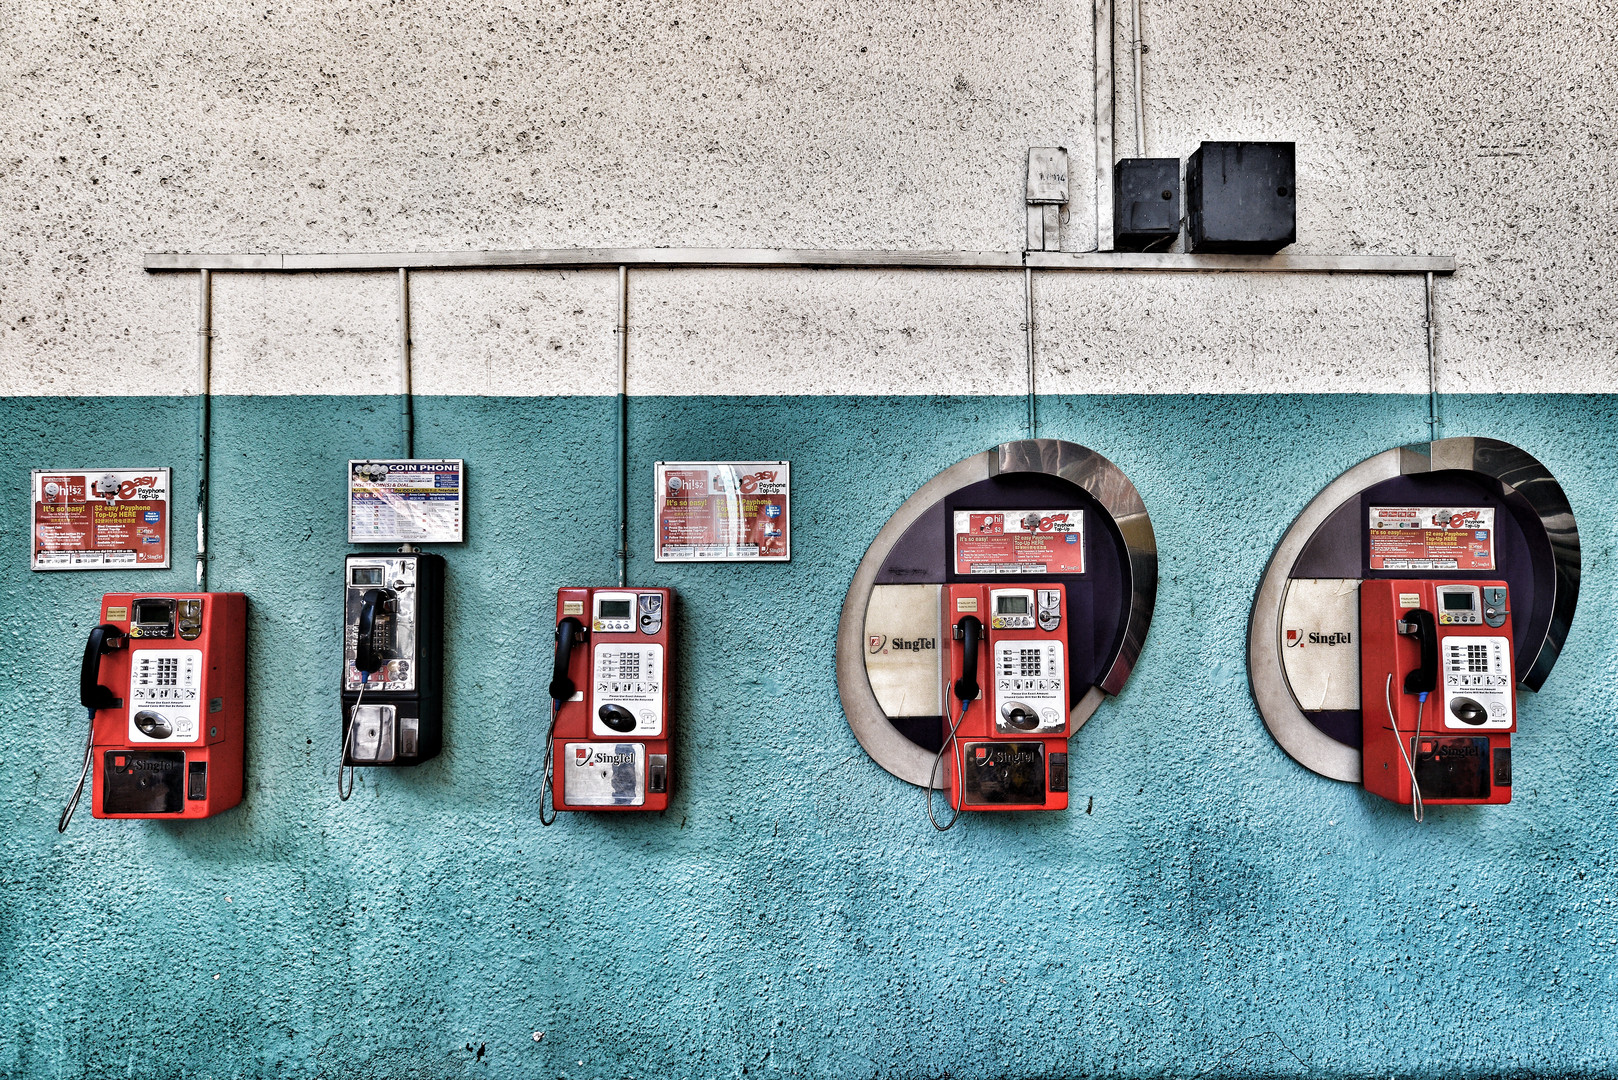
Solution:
(628, 665)
(987, 766)
(131, 767)
(1463, 763)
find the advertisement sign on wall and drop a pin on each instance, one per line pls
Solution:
(100, 519)
(414, 501)
(724, 511)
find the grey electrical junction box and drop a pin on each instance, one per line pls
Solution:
(1240, 197)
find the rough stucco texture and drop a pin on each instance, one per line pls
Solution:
(1479, 128)
(1207, 908)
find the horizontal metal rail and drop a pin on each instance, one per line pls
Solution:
(719, 258)
(1272, 264)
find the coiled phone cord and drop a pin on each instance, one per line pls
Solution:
(546, 787)
(78, 789)
(932, 777)
(348, 736)
(1418, 809)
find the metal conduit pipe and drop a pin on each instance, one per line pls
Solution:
(833, 259)
(622, 437)
(204, 417)
(1103, 118)
(407, 418)
(1432, 366)
(1028, 329)
(1140, 107)
(712, 258)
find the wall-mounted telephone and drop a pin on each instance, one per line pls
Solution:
(164, 681)
(1007, 745)
(611, 700)
(393, 637)
(1437, 685)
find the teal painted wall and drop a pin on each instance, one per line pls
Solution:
(1216, 911)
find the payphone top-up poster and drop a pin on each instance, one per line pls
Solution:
(724, 511)
(407, 501)
(101, 519)
(1019, 541)
(1431, 538)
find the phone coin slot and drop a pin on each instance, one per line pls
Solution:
(196, 781)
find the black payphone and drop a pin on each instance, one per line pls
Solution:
(392, 687)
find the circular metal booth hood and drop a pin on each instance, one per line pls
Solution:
(910, 561)
(1322, 558)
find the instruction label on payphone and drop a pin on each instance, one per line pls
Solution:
(163, 689)
(630, 677)
(1029, 682)
(1477, 670)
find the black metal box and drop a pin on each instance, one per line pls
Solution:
(1145, 203)
(1240, 197)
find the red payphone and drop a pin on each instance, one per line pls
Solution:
(611, 700)
(1007, 747)
(164, 680)
(1448, 641)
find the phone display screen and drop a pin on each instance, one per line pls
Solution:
(1012, 605)
(367, 575)
(1457, 601)
(615, 609)
(153, 611)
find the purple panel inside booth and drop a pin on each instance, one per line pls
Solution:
(922, 554)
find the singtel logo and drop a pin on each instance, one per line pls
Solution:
(1297, 638)
(879, 644)
(1458, 749)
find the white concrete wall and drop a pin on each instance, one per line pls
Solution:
(1475, 128)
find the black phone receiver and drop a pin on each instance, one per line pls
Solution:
(92, 695)
(569, 632)
(969, 631)
(1420, 624)
(367, 653)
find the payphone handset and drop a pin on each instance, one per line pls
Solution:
(609, 745)
(1007, 745)
(392, 660)
(164, 682)
(1437, 682)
